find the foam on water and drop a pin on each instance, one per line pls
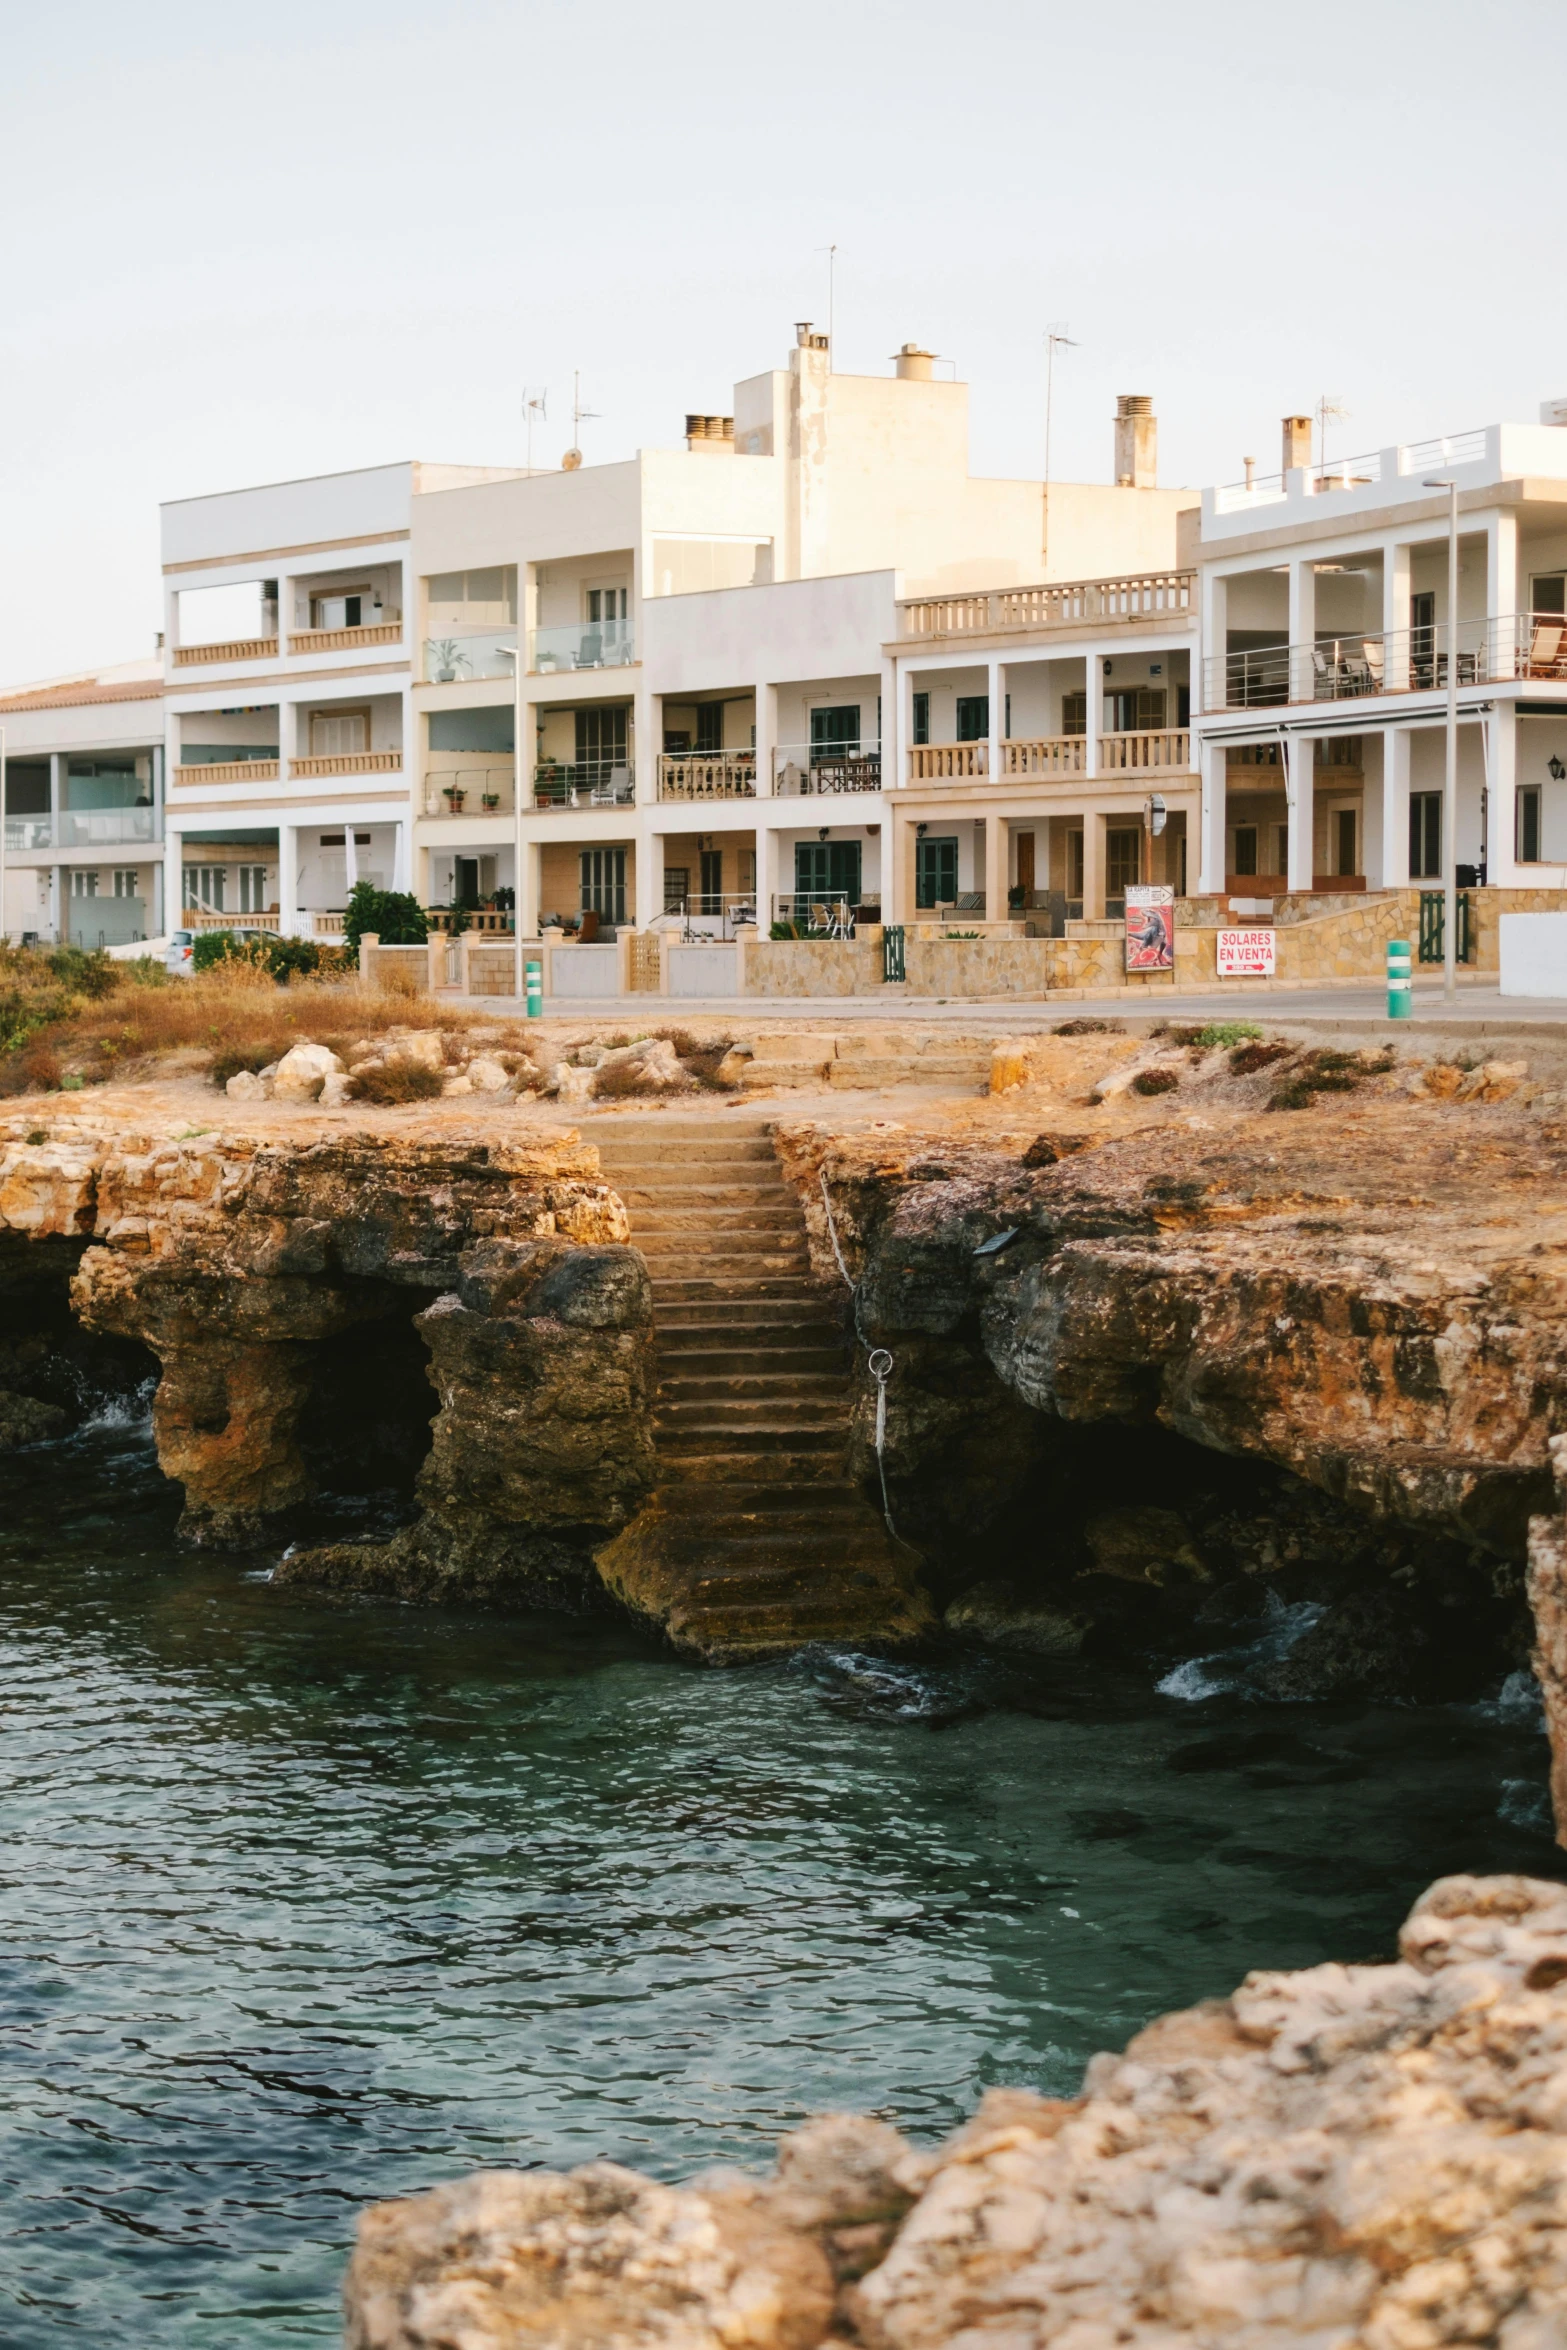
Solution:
(1232, 1671)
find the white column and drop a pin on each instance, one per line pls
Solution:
(1395, 807)
(287, 878)
(1093, 700)
(1502, 870)
(995, 688)
(905, 726)
(650, 877)
(649, 741)
(890, 745)
(402, 875)
(766, 737)
(1395, 617)
(1303, 628)
(1300, 751)
(1214, 767)
(1501, 598)
(528, 882)
(995, 868)
(1093, 864)
(173, 877)
(1375, 841)
(1213, 640)
(767, 860)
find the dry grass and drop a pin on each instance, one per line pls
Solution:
(389, 1084)
(235, 1018)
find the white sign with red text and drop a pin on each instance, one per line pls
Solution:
(1246, 954)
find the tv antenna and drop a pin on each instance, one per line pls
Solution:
(1330, 409)
(535, 410)
(1056, 339)
(579, 417)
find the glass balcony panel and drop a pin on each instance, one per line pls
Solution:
(92, 828)
(29, 832)
(582, 644)
(485, 652)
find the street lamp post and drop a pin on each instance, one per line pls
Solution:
(1450, 776)
(513, 653)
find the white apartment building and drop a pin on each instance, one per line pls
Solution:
(84, 807)
(716, 692)
(1328, 641)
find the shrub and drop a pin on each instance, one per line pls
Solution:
(1247, 1059)
(237, 1057)
(1155, 1081)
(1323, 1071)
(91, 975)
(395, 917)
(41, 1069)
(1090, 1028)
(391, 1083)
(782, 930)
(1226, 1032)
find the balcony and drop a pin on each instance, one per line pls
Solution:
(345, 640)
(469, 791)
(1402, 661)
(583, 783)
(582, 644)
(1165, 747)
(485, 652)
(1409, 462)
(244, 648)
(228, 771)
(346, 763)
(1049, 756)
(707, 775)
(805, 770)
(85, 828)
(1144, 595)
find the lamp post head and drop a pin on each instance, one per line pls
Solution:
(1439, 485)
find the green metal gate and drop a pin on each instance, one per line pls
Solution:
(1433, 924)
(892, 955)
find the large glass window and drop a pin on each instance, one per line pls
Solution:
(1528, 804)
(973, 718)
(603, 876)
(1123, 860)
(922, 718)
(936, 871)
(1425, 835)
(828, 869)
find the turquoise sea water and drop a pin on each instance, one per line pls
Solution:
(302, 1905)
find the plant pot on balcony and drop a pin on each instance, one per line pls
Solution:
(455, 800)
(490, 799)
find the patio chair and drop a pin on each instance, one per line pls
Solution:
(1324, 675)
(589, 928)
(1373, 654)
(1545, 645)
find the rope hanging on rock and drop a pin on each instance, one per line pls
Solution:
(879, 1366)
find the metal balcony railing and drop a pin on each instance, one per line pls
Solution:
(806, 769)
(582, 644)
(583, 783)
(1530, 645)
(468, 791)
(1355, 473)
(707, 775)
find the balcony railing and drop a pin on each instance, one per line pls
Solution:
(582, 644)
(348, 763)
(804, 769)
(948, 762)
(1408, 660)
(1140, 595)
(827, 912)
(583, 783)
(85, 828)
(243, 648)
(707, 775)
(468, 791)
(487, 652)
(228, 771)
(1355, 473)
(1165, 747)
(345, 640)
(1050, 755)
(715, 914)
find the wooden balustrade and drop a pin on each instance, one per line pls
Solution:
(244, 648)
(1138, 595)
(345, 640)
(707, 775)
(349, 763)
(1165, 748)
(948, 762)
(228, 771)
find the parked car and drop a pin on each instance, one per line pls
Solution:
(182, 944)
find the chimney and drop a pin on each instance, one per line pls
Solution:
(1297, 443)
(807, 337)
(1136, 442)
(914, 365)
(715, 433)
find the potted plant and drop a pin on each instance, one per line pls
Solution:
(490, 799)
(455, 797)
(446, 659)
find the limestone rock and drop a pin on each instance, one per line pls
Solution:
(246, 1086)
(579, 2261)
(334, 1090)
(303, 1071)
(995, 1613)
(487, 1076)
(26, 1419)
(423, 1046)
(459, 1083)
(1146, 1545)
(571, 1085)
(735, 1065)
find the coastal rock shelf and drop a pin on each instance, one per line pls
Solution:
(1364, 2155)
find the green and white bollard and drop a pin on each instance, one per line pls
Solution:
(1400, 982)
(533, 981)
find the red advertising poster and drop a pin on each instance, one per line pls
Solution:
(1150, 928)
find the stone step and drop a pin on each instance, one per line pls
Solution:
(694, 1149)
(782, 1290)
(744, 1508)
(685, 1263)
(770, 1321)
(803, 1460)
(824, 1359)
(681, 1381)
(720, 1218)
(645, 1196)
(755, 1417)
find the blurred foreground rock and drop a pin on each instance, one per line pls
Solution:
(1348, 2158)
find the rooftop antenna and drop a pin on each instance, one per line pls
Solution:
(831, 252)
(535, 409)
(579, 417)
(1056, 339)
(1330, 409)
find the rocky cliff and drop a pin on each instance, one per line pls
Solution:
(1347, 2158)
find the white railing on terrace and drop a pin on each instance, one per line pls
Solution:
(1136, 595)
(1355, 473)
(583, 783)
(244, 648)
(1407, 660)
(228, 770)
(707, 775)
(707, 914)
(1050, 755)
(488, 652)
(349, 763)
(802, 769)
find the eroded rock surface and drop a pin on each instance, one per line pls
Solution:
(1346, 2158)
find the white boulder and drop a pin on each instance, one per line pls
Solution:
(303, 1071)
(487, 1076)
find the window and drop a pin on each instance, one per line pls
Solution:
(677, 888)
(712, 897)
(922, 718)
(1183, 706)
(1528, 820)
(973, 718)
(471, 599)
(709, 727)
(203, 888)
(836, 728)
(339, 734)
(84, 883)
(1425, 835)
(344, 608)
(603, 875)
(1346, 843)
(1548, 593)
(603, 737)
(830, 869)
(1422, 640)
(1281, 849)
(607, 628)
(253, 882)
(127, 885)
(1245, 849)
(1135, 710)
(936, 872)
(1123, 860)
(1074, 713)
(1074, 865)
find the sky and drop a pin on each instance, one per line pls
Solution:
(241, 245)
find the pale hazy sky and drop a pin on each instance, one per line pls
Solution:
(245, 244)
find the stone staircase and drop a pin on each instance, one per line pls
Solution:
(754, 1541)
